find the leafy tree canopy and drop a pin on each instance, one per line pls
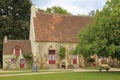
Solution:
(103, 36)
(56, 10)
(14, 19)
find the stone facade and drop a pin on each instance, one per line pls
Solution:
(13, 51)
(46, 34)
(45, 47)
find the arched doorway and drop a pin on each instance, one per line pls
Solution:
(63, 65)
(22, 63)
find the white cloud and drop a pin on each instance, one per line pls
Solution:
(73, 6)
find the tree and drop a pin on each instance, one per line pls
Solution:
(92, 13)
(14, 19)
(57, 10)
(102, 37)
(41, 57)
(16, 12)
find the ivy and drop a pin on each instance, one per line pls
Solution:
(62, 52)
(29, 59)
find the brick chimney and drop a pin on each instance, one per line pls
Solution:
(5, 39)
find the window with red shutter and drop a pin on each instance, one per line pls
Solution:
(17, 50)
(51, 56)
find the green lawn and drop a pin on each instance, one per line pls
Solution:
(7, 72)
(3, 73)
(68, 76)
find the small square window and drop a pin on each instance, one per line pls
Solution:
(13, 61)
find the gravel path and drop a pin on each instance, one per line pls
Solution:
(52, 71)
(27, 74)
(87, 70)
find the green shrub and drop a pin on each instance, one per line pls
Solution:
(62, 52)
(104, 66)
(28, 59)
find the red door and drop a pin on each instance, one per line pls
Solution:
(51, 56)
(22, 63)
(74, 60)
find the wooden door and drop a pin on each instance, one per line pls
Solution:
(74, 59)
(22, 63)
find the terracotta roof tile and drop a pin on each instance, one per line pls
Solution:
(58, 28)
(25, 45)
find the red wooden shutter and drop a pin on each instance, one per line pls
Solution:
(51, 56)
(74, 60)
(17, 52)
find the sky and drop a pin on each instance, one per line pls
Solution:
(75, 7)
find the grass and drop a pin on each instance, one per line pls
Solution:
(7, 72)
(68, 76)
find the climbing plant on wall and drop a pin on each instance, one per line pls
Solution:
(28, 59)
(62, 52)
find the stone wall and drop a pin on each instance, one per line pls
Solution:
(42, 49)
(12, 62)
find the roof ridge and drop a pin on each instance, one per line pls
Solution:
(63, 15)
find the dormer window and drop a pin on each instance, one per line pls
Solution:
(17, 51)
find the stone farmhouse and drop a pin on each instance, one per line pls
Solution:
(13, 49)
(47, 33)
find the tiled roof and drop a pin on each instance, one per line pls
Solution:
(58, 28)
(25, 45)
